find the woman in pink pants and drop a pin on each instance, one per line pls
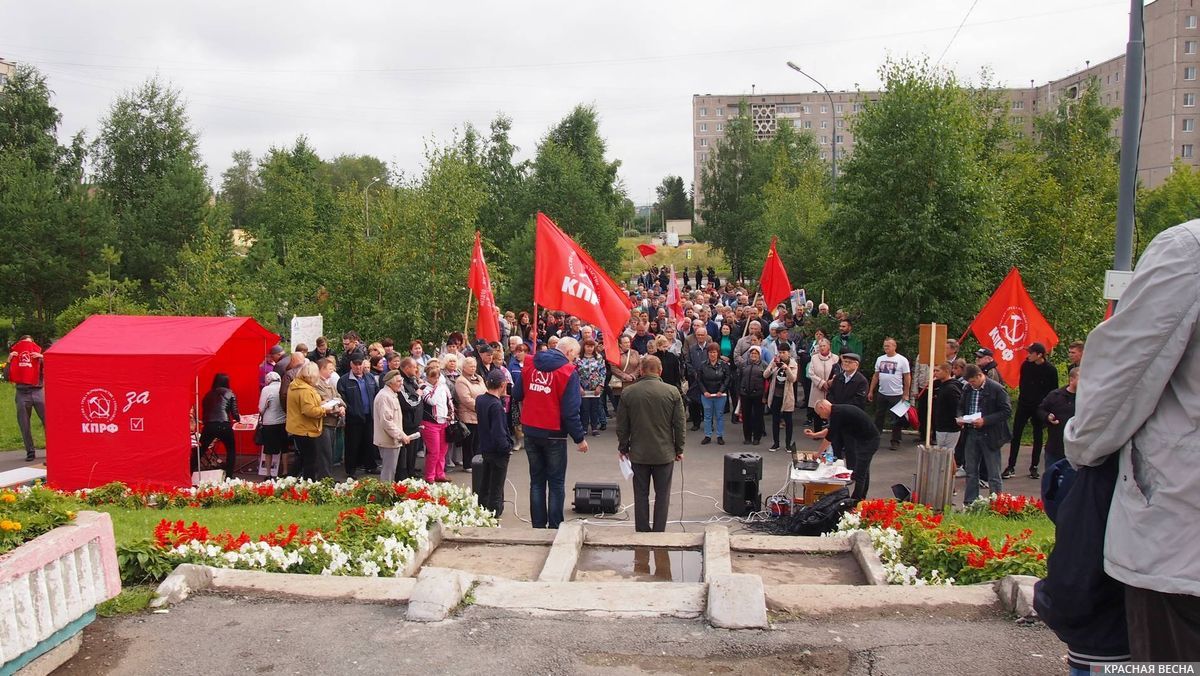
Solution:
(439, 410)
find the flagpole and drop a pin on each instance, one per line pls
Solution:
(929, 394)
(467, 320)
(753, 303)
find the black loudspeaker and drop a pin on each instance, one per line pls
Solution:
(743, 472)
(597, 498)
(477, 474)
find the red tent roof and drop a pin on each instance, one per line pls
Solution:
(152, 336)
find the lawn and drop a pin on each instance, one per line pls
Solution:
(131, 525)
(10, 434)
(995, 527)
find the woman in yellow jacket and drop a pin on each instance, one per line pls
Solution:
(305, 421)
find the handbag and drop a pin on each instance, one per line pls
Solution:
(456, 432)
(260, 437)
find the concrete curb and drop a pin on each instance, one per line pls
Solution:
(868, 559)
(1016, 593)
(564, 554)
(437, 592)
(792, 544)
(615, 599)
(188, 578)
(419, 557)
(737, 601)
(185, 579)
(717, 559)
(817, 600)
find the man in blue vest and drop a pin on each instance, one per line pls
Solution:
(550, 400)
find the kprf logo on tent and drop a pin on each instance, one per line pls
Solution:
(99, 409)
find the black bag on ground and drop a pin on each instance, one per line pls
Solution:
(820, 517)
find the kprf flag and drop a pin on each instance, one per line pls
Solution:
(1008, 324)
(487, 324)
(773, 282)
(675, 302)
(23, 366)
(566, 279)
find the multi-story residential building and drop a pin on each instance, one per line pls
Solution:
(7, 68)
(1169, 121)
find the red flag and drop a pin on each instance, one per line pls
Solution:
(565, 278)
(675, 302)
(647, 250)
(773, 282)
(487, 324)
(1008, 324)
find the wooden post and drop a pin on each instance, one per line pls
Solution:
(467, 321)
(929, 389)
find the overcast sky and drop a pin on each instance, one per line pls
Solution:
(383, 78)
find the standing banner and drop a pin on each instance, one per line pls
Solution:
(1008, 324)
(306, 330)
(773, 283)
(479, 281)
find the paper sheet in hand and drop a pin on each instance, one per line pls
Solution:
(901, 409)
(971, 417)
(328, 404)
(626, 468)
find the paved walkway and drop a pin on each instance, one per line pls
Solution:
(226, 634)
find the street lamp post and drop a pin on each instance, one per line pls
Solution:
(367, 204)
(832, 112)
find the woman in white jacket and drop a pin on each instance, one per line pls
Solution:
(272, 419)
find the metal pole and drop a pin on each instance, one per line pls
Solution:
(1131, 124)
(833, 115)
(367, 204)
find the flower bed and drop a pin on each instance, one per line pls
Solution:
(381, 528)
(919, 547)
(29, 512)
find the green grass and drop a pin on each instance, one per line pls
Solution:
(131, 525)
(995, 527)
(702, 254)
(10, 434)
(132, 599)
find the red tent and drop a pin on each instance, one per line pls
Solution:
(119, 390)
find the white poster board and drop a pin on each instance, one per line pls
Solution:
(306, 330)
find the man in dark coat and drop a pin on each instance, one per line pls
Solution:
(983, 412)
(848, 385)
(1038, 378)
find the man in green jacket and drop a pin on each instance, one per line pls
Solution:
(650, 434)
(845, 340)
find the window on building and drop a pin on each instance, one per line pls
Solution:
(1189, 100)
(838, 109)
(824, 140)
(703, 143)
(720, 127)
(1189, 73)
(703, 157)
(1186, 150)
(1191, 21)
(1018, 121)
(1107, 79)
(824, 109)
(839, 138)
(824, 124)
(858, 107)
(703, 126)
(805, 109)
(704, 112)
(841, 123)
(1189, 124)
(1018, 105)
(1189, 46)
(824, 155)
(720, 112)
(808, 124)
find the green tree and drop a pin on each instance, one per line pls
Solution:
(795, 201)
(912, 237)
(107, 295)
(734, 178)
(205, 280)
(576, 186)
(240, 186)
(506, 210)
(1175, 201)
(148, 170)
(52, 226)
(673, 199)
(346, 172)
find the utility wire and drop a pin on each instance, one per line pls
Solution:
(956, 31)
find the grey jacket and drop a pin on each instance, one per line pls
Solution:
(1139, 395)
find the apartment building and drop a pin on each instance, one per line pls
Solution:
(7, 68)
(1169, 121)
